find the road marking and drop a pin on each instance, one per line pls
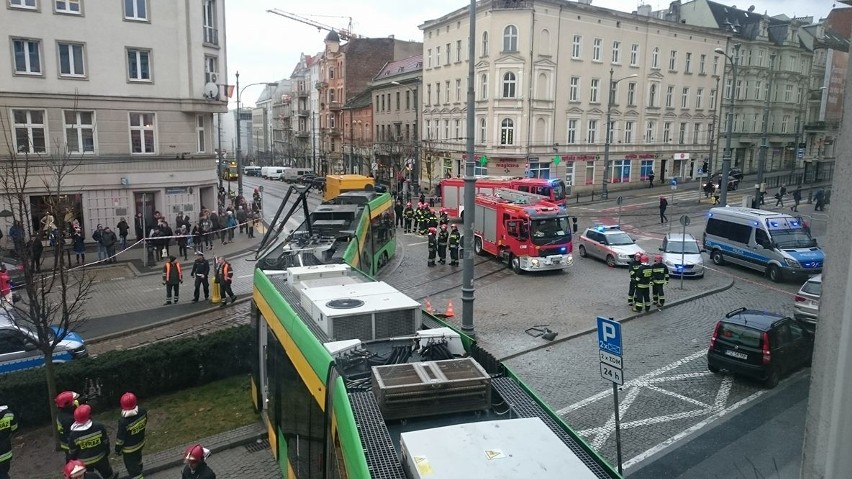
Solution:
(415, 244)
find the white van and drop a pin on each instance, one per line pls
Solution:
(264, 171)
(275, 172)
(294, 175)
(775, 243)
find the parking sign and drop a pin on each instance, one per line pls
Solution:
(609, 336)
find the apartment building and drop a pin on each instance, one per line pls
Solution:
(295, 117)
(126, 91)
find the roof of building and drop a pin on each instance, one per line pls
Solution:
(400, 67)
(332, 37)
(746, 23)
(361, 100)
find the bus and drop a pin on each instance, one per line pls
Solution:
(452, 189)
(337, 184)
(230, 172)
(354, 380)
(251, 170)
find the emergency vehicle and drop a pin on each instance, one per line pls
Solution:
(526, 230)
(452, 189)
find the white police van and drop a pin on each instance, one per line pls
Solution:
(18, 346)
(775, 243)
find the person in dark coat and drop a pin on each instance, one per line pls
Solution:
(89, 442)
(109, 239)
(664, 203)
(79, 245)
(137, 225)
(241, 218)
(181, 242)
(8, 426)
(130, 434)
(195, 460)
(36, 250)
(201, 273)
(123, 228)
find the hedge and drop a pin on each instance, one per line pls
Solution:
(148, 371)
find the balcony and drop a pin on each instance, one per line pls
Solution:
(334, 132)
(302, 133)
(321, 85)
(302, 94)
(303, 112)
(335, 105)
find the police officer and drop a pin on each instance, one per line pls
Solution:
(660, 277)
(130, 434)
(66, 403)
(172, 278)
(454, 242)
(8, 425)
(201, 273)
(89, 442)
(432, 242)
(443, 240)
(633, 267)
(643, 286)
(408, 216)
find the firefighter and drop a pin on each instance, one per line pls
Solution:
(634, 266)
(75, 469)
(417, 212)
(172, 279)
(408, 215)
(432, 241)
(130, 434)
(89, 442)
(643, 286)
(454, 243)
(432, 218)
(66, 403)
(8, 425)
(444, 218)
(443, 240)
(196, 467)
(660, 276)
(423, 221)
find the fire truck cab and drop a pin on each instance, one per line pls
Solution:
(526, 230)
(452, 189)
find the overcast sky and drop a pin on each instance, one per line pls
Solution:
(265, 47)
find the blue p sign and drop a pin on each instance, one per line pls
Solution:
(609, 336)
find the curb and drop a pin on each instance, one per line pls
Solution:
(631, 317)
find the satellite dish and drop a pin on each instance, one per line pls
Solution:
(211, 91)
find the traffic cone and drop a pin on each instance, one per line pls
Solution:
(450, 313)
(428, 306)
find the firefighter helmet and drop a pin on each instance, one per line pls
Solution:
(638, 257)
(74, 469)
(66, 398)
(408, 204)
(194, 453)
(444, 227)
(443, 211)
(658, 258)
(82, 414)
(645, 259)
(455, 227)
(128, 401)
(432, 230)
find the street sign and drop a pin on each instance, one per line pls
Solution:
(611, 359)
(611, 365)
(674, 183)
(609, 336)
(684, 220)
(800, 154)
(612, 374)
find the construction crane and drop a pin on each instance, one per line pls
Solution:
(343, 33)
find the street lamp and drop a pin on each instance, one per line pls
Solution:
(726, 158)
(611, 92)
(239, 124)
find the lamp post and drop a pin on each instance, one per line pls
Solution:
(611, 94)
(239, 125)
(726, 157)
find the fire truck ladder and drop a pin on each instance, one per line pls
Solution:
(519, 197)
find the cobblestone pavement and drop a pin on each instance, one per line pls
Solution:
(238, 462)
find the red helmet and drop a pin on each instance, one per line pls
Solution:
(432, 230)
(74, 469)
(408, 204)
(455, 227)
(66, 398)
(644, 259)
(128, 401)
(443, 211)
(658, 258)
(444, 227)
(83, 414)
(194, 453)
(637, 256)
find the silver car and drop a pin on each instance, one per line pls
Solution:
(682, 255)
(806, 301)
(608, 243)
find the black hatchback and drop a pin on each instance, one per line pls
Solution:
(761, 345)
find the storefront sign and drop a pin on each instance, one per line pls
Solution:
(580, 157)
(176, 190)
(680, 156)
(640, 156)
(508, 165)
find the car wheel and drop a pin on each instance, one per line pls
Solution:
(772, 379)
(582, 250)
(477, 246)
(610, 261)
(774, 273)
(712, 369)
(717, 257)
(516, 264)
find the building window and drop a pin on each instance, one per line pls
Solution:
(590, 172)
(398, 101)
(429, 58)
(447, 89)
(65, 6)
(458, 90)
(594, 85)
(483, 86)
(667, 132)
(715, 65)
(428, 129)
(199, 133)
(539, 169)
(437, 56)
(634, 54)
(576, 47)
(669, 94)
(572, 132)
(788, 93)
(785, 120)
(407, 99)
(30, 131)
(652, 96)
(142, 131)
(211, 69)
(628, 132)
(485, 44)
(649, 131)
(458, 51)
(138, 64)
(71, 60)
(510, 39)
(574, 89)
(655, 58)
(681, 135)
(447, 130)
(616, 52)
(27, 4)
(592, 132)
(508, 85)
(448, 54)
(713, 99)
(738, 90)
(620, 171)
(136, 10)
(612, 127)
(479, 170)
(569, 173)
(631, 94)
(458, 130)
(687, 68)
(646, 167)
(79, 131)
(211, 31)
(673, 60)
(27, 56)
(507, 132)
(696, 132)
(596, 49)
(684, 98)
(429, 94)
(482, 131)
(437, 94)
(701, 61)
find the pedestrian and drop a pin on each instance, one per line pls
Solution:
(195, 460)
(232, 227)
(16, 234)
(8, 425)
(172, 278)
(139, 227)
(643, 286)
(123, 228)
(399, 209)
(130, 434)
(96, 236)
(709, 188)
(779, 196)
(252, 222)
(66, 402)
(659, 278)
(75, 469)
(241, 219)
(109, 240)
(408, 217)
(5, 284)
(36, 250)
(663, 205)
(197, 238)
(651, 179)
(89, 442)
(181, 241)
(206, 227)
(819, 198)
(78, 242)
(166, 234)
(432, 246)
(454, 243)
(224, 276)
(633, 267)
(797, 198)
(443, 240)
(201, 272)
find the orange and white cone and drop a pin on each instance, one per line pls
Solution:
(450, 312)
(428, 307)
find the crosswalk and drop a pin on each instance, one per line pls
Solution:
(735, 198)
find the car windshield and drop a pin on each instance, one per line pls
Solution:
(558, 190)
(792, 238)
(813, 287)
(741, 335)
(688, 247)
(551, 231)
(618, 239)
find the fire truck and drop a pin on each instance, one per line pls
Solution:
(452, 189)
(526, 230)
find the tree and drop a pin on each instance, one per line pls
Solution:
(51, 301)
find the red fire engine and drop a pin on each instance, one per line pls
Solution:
(526, 230)
(452, 189)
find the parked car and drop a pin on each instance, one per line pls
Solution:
(608, 243)
(758, 344)
(806, 301)
(15, 268)
(307, 179)
(716, 180)
(682, 255)
(735, 173)
(18, 345)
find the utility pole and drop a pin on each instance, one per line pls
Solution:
(729, 153)
(469, 185)
(220, 158)
(314, 142)
(239, 144)
(764, 139)
(714, 133)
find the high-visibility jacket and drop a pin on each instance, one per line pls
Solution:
(644, 276)
(130, 434)
(172, 276)
(64, 420)
(634, 268)
(408, 213)
(8, 425)
(455, 238)
(443, 238)
(660, 273)
(89, 442)
(224, 273)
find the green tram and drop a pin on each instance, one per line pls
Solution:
(354, 380)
